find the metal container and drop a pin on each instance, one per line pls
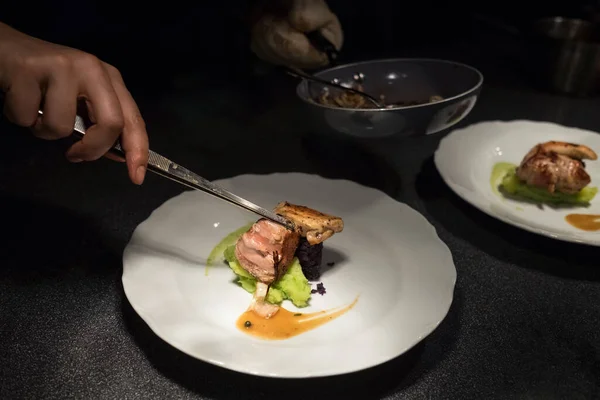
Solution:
(566, 55)
(564, 28)
(398, 80)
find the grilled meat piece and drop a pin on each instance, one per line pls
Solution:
(556, 166)
(315, 226)
(266, 250)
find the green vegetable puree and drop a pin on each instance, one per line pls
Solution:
(292, 286)
(216, 255)
(498, 173)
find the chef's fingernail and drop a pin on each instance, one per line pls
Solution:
(140, 173)
(75, 160)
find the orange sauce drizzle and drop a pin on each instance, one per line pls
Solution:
(286, 324)
(585, 222)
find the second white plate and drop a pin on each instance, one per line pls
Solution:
(465, 159)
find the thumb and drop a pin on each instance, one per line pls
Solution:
(309, 15)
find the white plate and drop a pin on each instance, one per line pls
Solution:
(465, 159)
(388, 254)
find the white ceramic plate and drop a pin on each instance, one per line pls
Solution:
(388, 255)
(465, 159)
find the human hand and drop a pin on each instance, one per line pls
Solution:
(279, 32)
(35, 75)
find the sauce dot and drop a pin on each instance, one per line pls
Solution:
(247, 324)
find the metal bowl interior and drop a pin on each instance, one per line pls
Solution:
(564, 28)
(565, 54)
(399, 80)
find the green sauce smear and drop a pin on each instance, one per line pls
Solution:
(217, 254)
(499, 171)
(504, 181)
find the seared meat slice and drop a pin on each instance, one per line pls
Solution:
(556, 166)
(266, 250)
(315, 226)
(259, 305)
(576, 151)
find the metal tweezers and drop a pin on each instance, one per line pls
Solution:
(163, 166)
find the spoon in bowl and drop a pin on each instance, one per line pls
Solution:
(298, 73)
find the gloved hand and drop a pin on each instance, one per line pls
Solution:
(278, 33)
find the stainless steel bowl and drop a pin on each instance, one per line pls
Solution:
(564, 28)
(566, 55)
(399, 80)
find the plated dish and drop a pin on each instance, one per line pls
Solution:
(538, 176)
(338, 295)
(274, 263)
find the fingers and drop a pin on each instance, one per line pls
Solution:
(333, 32)
(283, 41)
(294, 47)
(22, 102)
(134, 138)
(114, 157)
(309, 15)
(62, 76)
(60, 107)
(100, 137)
(298, 50)
(262, 40)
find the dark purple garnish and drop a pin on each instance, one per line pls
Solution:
(310, 259)
(320, 289)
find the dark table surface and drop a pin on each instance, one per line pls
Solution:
(525, 321)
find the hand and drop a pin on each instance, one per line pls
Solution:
(36, 75)
(278, 35)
